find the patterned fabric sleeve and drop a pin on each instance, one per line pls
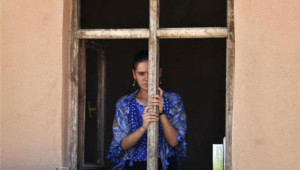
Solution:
(178, 120)
(120, 130)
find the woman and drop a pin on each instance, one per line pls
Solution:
(129, 146)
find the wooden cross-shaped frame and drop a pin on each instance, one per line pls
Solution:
(154, 33)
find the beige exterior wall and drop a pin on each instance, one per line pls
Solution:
(34, 77)
(267, 85)
(31, 65)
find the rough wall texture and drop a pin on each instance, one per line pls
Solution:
(1, 81)
(267, 85)
(32, 84)
(267, 94)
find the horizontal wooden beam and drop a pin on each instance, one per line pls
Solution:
(162, 33)
(113, 34)
(209, 32)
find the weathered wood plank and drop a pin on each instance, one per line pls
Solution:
(113, 34)
(152, 149)
(73, 114)
(81, 102)
(101, 106)
(209, 32)
(230, 65)
(162, 33)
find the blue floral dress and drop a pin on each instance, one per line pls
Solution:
(128, 118)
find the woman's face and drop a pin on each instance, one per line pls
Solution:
(140, 74)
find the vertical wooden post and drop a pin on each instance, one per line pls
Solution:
(81, 100)
(73, 116)
(152, 150)
(229, 82)
(101, 106)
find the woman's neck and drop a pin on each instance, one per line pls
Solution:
(142, 96)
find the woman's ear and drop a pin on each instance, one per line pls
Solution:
(133, 74)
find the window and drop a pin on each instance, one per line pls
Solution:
(82, 44)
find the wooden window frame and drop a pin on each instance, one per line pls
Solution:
(153, 34)
(101, 74)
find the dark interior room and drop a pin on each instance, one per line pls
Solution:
(193, 68)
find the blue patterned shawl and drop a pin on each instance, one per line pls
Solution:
(122, 126)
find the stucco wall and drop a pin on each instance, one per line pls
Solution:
(267, 94)
(267, 85)
(31, 79)
(1, 49)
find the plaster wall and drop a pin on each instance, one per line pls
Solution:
(0, 85)
(31, 79)
(267, 85)
(34, 77)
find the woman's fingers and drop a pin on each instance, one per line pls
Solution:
(156, 96)
(155, 103)
(149, 114)
(146, 110)
(149, 117)
(157, 99)
(161, 92)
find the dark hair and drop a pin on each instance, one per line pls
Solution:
(139, 57)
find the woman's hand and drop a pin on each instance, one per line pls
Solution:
(132, 139)
(157, 100)
(148, 117)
